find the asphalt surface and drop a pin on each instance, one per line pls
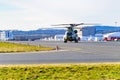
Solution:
(82, 52)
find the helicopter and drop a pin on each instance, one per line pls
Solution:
(71, 32)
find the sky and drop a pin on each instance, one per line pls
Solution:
(35, 14)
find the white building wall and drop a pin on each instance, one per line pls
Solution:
(2, 36)
(59, 37)
(6, 35)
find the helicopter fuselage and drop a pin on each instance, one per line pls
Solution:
(71, 35)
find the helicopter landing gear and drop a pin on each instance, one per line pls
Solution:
(65, 41)
(76, 41)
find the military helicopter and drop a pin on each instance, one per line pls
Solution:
(71, 32)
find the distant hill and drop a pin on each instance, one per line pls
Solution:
(36, 34)
(40, 32)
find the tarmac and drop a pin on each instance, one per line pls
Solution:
(82, 52)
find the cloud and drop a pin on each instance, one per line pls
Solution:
(32, 14)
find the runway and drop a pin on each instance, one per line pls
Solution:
(82, 52)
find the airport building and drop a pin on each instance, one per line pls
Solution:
(59, 37)
(88, 31)
(6, 35)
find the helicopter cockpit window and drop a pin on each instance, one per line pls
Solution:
(75, 31)
(69, 33)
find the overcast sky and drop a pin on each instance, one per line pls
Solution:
(34, 14)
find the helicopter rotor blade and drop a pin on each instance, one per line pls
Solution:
(60, 24)
(86, 24)
(74, 25)
(77, 24)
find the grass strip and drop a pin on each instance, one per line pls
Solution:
(61, 72)
(6, 47)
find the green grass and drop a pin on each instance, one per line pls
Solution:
(12, 47)
(61, 72)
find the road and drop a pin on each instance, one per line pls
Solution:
(82, 52)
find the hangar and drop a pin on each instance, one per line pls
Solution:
(93, 30)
